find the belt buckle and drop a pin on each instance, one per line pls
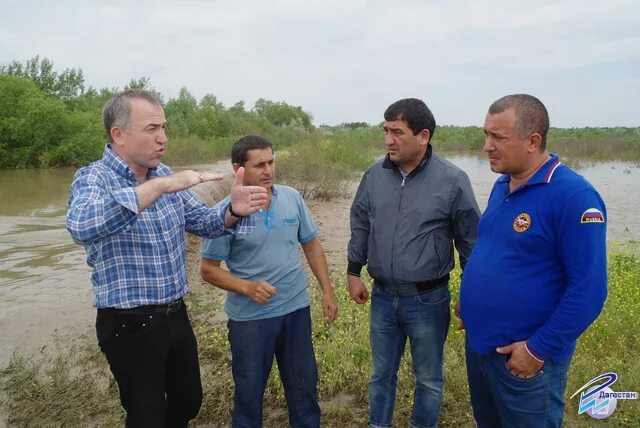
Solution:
(174, 306)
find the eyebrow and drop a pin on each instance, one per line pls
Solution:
(155, 125)
(493, 133)
(266, 161)
(392, 129)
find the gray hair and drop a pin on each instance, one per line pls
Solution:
(531, 115)
(117, 110)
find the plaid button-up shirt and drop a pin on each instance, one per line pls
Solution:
(138, 257)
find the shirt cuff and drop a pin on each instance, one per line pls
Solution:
(354, 268)
(533, 353)
(243, 226)
(127, 198)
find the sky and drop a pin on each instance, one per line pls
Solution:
(347, 60)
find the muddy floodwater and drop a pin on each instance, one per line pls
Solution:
(44, 280)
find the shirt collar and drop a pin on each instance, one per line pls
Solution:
(265, 213)
(388, 163)
(542, 175)
(115, 162)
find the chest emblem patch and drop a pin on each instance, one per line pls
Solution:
(592, 215)
(522, 222)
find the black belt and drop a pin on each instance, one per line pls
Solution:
(415, 287)
(169, 308)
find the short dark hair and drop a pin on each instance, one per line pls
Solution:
(246, 143)
(118, 109)
(531, 115)
(413, 111)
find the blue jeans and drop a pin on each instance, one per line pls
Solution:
(253, 346)
(424, 319)
(502, 400)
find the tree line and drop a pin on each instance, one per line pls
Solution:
(51, 119)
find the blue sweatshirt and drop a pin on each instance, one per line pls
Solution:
(538, 271)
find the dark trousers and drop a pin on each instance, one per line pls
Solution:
(502, 400)
(154, 359)
(253, 346)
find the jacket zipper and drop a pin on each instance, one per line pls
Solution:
(395, 232)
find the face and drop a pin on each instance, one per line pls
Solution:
(405, 148)
(508, 152)
(143, 143)
(260, 168)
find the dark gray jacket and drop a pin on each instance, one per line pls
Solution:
(404, 228)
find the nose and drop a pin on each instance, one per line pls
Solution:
(162, 137)
(388, 139)
(488, 145)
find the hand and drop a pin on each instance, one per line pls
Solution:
(329, 307)
(456, 311)
(247, 200)
(521, 363)
(259, 291)
(185, 179)
(357, 290)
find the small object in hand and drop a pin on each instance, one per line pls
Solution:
(201, 177)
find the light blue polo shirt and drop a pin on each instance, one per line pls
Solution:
(270, 253)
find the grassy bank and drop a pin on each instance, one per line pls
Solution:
(621, 144)
(76, 389)
(589, 144)
(319, 165)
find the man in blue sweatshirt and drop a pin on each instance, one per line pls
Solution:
(536, 278)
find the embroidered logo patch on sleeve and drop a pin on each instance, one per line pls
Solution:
(592, 215)
(522, 222)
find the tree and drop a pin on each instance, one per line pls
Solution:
(354, 125)
(145, 83)
(31, 123)
(180, 112)
(66, 85)
(237, 108)
(282, 114)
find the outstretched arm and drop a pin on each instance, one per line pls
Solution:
(149, 191)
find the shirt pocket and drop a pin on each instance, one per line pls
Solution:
(290, 227)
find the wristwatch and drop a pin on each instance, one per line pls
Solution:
(232, 213)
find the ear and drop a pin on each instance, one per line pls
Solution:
(425, 136)
(117, 135)
(534, 142)
(235, 167)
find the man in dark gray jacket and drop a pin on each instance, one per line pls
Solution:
(409, 211)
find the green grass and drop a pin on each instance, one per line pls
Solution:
(75, 388)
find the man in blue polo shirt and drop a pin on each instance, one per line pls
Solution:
(536, 278)
(267, 301)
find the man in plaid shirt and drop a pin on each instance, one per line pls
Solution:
(131, 212)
